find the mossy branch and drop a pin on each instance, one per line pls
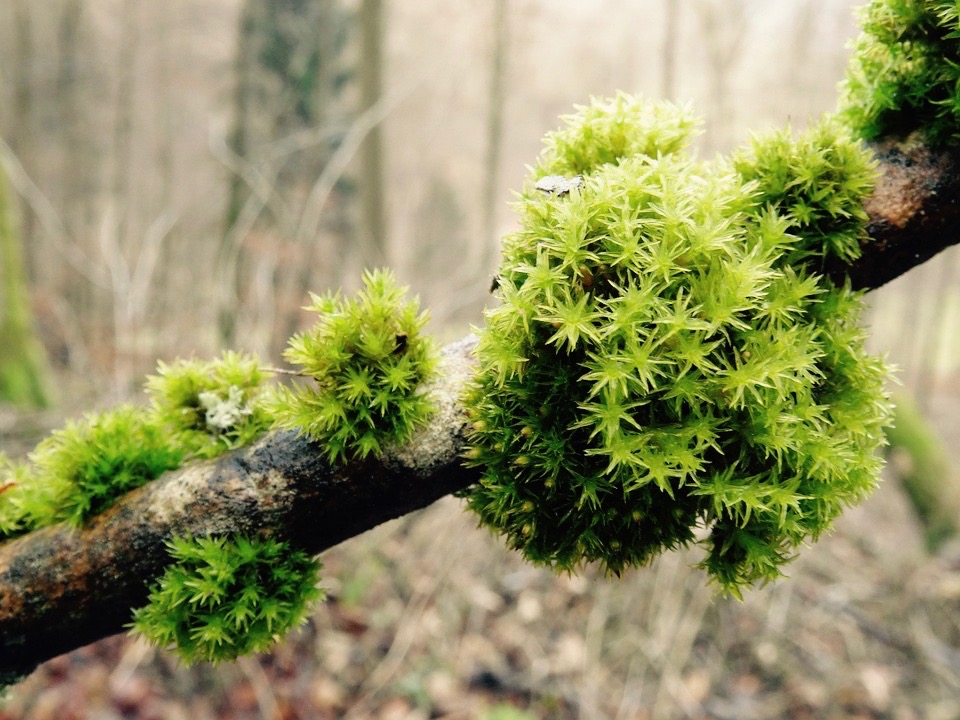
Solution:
(61, 588)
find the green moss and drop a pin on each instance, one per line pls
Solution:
(905, 70)
(817, 182)
(210, 406)
(659, 369)
(607, 130)
(82, 469)
(198, 409)
(222, 598)
(369, 358)
(925, 472)
(17, 515)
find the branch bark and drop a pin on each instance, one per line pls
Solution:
(914, 212)
(61, 588)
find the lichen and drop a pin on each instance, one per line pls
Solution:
(210, 406)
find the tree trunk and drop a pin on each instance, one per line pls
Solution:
(23, 362)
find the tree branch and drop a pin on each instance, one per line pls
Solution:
(914, 212)
(61, 588)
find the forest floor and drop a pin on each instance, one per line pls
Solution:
(429, 617)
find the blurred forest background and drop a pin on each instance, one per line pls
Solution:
(176, 176)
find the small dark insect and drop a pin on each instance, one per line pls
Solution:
(494, 284)
(401, 344)
(558, 184)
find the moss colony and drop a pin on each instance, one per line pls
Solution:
(224, 598)
(221, 597)
(369, 358)
(905, 70)
(198, 409)
(666, 363)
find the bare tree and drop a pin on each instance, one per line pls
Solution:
(288, 114)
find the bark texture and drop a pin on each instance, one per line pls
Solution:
(914, 212)
(62, 588)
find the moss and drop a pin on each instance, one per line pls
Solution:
(17, 497)
(904, 73)
(221, 598)
(817, 182)
(81, 469)
(925, 472)
(213, 406)
(198, 409)
(368, 357)
(665, 363)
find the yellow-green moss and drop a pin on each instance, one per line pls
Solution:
(665, 362)
(368, 358)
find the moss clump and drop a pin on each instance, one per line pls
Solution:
(81, 469)
(210, 406)
(817, 182)
(658, 369)
(19, 510)
(199, 409)
(368, 357)
(607, 130)
(905, 70)
(222, 598)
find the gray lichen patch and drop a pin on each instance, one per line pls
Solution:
(440, 441)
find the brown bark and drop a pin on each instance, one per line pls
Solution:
(914, 212)
(62, 588)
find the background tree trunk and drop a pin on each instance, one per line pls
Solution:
(373, 219)
(287, 106)
(23, 363)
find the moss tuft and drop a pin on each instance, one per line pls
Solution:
(81, 469)
(665, 364)
(369, 358)
(221, 598)
(904, 73)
